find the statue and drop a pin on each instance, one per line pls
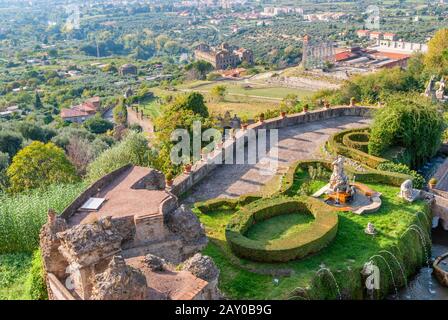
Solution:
(370, 229)
(407, 191)
(429, 91)
(338, 180)
(440, 93)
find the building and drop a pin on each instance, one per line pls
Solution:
(127, 69)
(375, 35)
(363, 33)
(400, 46)
(82, 112)
(389, 36)
(224, 56)
(275, 11)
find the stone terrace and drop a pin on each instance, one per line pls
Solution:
(122, 199)
(298, 142)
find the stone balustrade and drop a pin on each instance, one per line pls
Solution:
(202, 168)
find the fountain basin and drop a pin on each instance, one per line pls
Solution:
(364, 200)
(440, 266)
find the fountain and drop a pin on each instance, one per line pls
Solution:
(344, 195)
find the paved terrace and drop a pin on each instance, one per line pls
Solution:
(295, 143)
(122, 199)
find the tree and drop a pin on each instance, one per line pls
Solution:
(81, 152)
(32, 131)
(39, 165)
(409, 121)
(132, 149)
(436, 58)
(218, 92)
(193, 101)
(10, 142)
(98, 125)
(37, 102)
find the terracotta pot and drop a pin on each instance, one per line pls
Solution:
(305, 109)
(187, 168)
(283, 114)
(169, 183)
(244, 126)
(432, 185)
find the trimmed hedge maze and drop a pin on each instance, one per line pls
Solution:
(296, 245)
(357, 140)
(348, 147)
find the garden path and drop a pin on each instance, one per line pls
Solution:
(295, 143)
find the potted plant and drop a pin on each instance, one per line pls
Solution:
(432, 183)
(306, 107)
(244, 122)
(327, 105)
(283, 110)
(187, 164)
(169, 179)
(261, 117)
(352, 102)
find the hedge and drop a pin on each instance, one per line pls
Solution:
(368, 176)
(229, 203)
(296, 246)
(357, 140)
(335, 145)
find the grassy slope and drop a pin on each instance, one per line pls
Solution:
(349, 251)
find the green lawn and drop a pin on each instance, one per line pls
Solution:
(250, 90)
(280, 227)
(345, 256)
(151, 108)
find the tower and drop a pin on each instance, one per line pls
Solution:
(306, 40)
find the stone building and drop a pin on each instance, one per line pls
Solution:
(224, 56)
(127, 69)
(124, 238)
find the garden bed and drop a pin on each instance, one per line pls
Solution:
(396, 223)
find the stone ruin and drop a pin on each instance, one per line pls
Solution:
(136, 257)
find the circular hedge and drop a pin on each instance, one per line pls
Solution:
(295, 246)
(357, 140)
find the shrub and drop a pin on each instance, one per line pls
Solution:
(133, 149)
(39, 165)
(417, 179)
(98, 125)
(409, 121)
(35, 284)
(295, 246)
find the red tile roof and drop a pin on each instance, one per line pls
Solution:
(341, 56)
(73, 113)
(82, 110)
